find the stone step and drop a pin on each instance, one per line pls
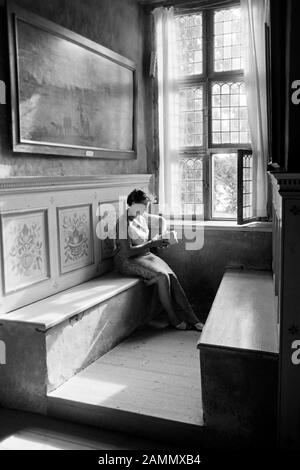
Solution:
(53, 339)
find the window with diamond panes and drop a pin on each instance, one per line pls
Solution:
(227, 40)
(192, 186)
(189, 44)
(191, 117)
(212, 112)
(229, 113)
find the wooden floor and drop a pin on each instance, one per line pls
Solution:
(149, 384)
(27, 431)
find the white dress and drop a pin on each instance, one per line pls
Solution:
(148, 266)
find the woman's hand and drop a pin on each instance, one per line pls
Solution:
(161, 243)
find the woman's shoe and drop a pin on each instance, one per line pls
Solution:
(181, 326)
(198, 326)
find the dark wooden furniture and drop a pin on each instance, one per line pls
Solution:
(286, 268)
(285, 179)
(239, 360)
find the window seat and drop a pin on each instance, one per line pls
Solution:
(51, 311)
(239, 359)
(52, 339)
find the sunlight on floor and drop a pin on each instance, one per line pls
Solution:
(150, 374)
(100, 390)
(21, 441)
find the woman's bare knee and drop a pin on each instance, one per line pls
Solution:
(150, 282)
(159, 278)
(163, 279)
(173, 277)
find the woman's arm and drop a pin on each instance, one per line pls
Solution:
(157, 224)
(141, 249)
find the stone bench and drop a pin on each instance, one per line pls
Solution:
(52, 339)
(239, 360)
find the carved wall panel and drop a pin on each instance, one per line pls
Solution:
(25, 249)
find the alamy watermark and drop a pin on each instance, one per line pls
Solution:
(191, 231)
(296, 92)
(2, 92)
(296, 353)
(2, 353)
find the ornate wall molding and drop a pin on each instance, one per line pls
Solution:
(61, 183)
(286, 182)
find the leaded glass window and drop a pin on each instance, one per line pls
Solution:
(189, 44)
(191, 117)
(212, 112)
(229, 113)
(227, 40)
(192, 186)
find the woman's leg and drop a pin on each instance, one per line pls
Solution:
(155, 271)
(164, 293)
(182, 300)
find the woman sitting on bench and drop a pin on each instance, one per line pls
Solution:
(133, 257)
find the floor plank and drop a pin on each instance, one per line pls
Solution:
(149, 380)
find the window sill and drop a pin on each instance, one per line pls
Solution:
(224, 225)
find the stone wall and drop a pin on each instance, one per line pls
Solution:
(201, 271)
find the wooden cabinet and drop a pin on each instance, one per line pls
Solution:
(286, 267)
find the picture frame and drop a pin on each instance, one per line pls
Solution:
(87, 110)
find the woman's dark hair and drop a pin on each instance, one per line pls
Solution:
(137, 196)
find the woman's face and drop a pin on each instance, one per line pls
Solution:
(139, 208)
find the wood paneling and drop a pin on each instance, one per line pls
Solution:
(243, 315)
(239, 360)
(239, 393)
(286, 207)
(49, 237)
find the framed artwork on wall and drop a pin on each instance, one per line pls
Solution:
(69, 95)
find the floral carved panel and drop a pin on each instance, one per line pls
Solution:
(75, 238)
(25, 250)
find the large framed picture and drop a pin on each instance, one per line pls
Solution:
(70, 96)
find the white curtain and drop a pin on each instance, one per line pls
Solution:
(254, 16)
(166, 58)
